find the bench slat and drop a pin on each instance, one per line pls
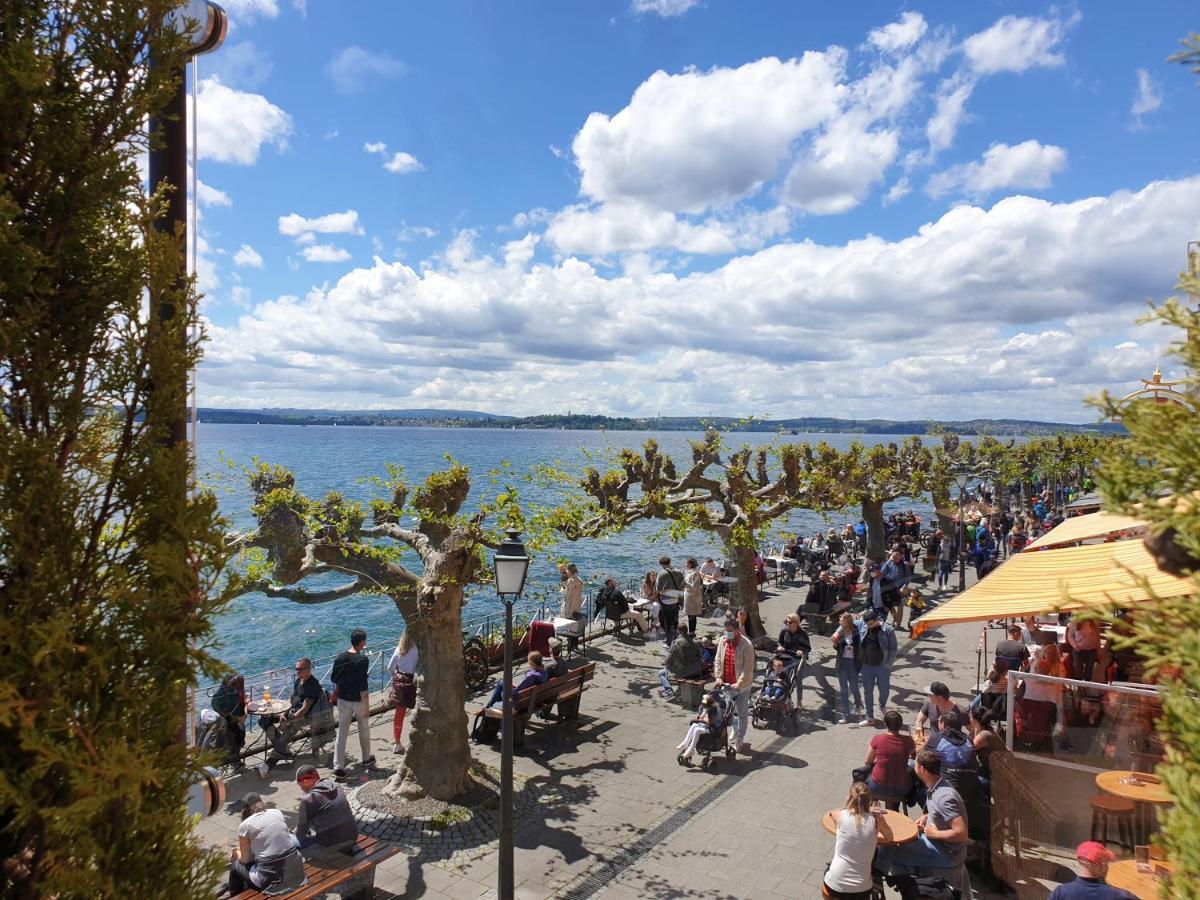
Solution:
(368, 853)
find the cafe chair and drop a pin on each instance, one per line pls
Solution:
(1106, 808)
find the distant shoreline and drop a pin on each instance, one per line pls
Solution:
(807, 425)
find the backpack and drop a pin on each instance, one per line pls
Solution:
(957, 757)
(485, 730)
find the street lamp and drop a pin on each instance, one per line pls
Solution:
(511, 564)
(962, 479)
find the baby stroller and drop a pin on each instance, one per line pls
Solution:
(711, 743)
(780, 714)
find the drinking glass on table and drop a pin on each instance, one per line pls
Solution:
(1141, 853)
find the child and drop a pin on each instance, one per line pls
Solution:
(776, 685)
(916, 605)
(707, 721)
(708, 653)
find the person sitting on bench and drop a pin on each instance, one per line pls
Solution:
(683, 661)
(537, 674)
(308, 698)
(324, 816)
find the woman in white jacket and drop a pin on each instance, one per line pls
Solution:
(403, 661)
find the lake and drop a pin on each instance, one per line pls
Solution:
(258, 633)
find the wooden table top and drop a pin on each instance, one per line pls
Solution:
(1151, 790)
(1143, 885)
(271, 707)
(892, 827)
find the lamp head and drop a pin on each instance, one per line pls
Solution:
(511, 564)
(204, 20)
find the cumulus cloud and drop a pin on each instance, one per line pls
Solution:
(399, 163)
(693, 140)
(249, 10)
(1044, 290)
(1016, 44)
(211, 196)
(326, 253)
(302, 229)
(248, 256)
(353, 68)
(1027, 166)
(950, 111)
(1148, 98)
(665, 8)
(233, 126)
(633, 228)
(899, 35)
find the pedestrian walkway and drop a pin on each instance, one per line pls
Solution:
(619, 818)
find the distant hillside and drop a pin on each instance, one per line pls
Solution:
(457, 418)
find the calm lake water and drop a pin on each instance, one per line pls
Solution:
(258, 633)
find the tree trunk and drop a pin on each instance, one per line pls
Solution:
(872, 513)
(747, 585)
(438, 761)
(942, 504)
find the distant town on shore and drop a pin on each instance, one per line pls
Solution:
(454, 418)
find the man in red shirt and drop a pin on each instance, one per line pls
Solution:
(733, 665)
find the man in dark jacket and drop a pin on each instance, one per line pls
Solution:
(324, 816)
(683, 661)
(615, 606)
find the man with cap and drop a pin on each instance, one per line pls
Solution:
(324, 816)
(877, 644)
(939, 702)
(1093, 859)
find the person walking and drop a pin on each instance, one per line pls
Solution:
(733, 665)
(848, 653)
(877, 646)
(896, 574)
(349, 675)
(794, 641)
(693, 592)
(945, 562)
(403, 669)
(669, 587)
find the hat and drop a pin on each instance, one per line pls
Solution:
(250, 799)
(554, 644)
(937, 689)
(1094, 852)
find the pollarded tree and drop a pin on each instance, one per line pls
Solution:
(877, 474)
(299, 539)
(735, 495)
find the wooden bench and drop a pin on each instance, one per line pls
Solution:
(352, 874)
(566, 691)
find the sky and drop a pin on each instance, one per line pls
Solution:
(693, 207)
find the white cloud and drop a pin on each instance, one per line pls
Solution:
(233, 126)
(1027, 166)
(1043, 289)
(846, 160)
(630, 227)
(249, 10)
(1016, 44)
(325, 253)
(242, 65)
(665, 8)
(897, 192)
(899, 35)
(297, 226)
(399, 163)
(694, 140)
(248, 256)
(353, 67)
(211, 196)
(408, 232)
(949, 113)
(1148, 99)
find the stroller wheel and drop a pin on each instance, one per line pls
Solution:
(706, 763)
(681, 760)
(730, 753)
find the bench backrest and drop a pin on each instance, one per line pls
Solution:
(545, 693)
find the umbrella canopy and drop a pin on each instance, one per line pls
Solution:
(1082, 528)
(1084, 502)
(1121, 574)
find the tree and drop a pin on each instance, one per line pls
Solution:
(100, 606)
(299, 539)
(735, 495)
(877, 474)
(1163, 456)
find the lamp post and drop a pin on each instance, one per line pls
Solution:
(962, 479)
(511, 563)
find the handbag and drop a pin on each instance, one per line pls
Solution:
(403, 692)
(861, 774)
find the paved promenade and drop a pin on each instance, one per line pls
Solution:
(620, 819)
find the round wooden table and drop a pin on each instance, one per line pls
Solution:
(272, 707)
(1143, 885)
(892, 827)
(1150, 792)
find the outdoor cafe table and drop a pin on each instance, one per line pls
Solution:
(260, 708)
(1143, 885)
(892, 827)
(1149, 792)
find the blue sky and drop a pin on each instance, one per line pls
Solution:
(917, 210)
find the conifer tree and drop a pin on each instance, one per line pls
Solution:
(107, 567)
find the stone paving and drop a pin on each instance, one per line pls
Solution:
(618, 818)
